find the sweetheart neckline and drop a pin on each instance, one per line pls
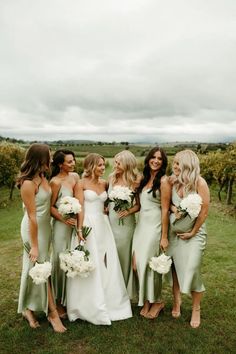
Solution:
(91, 190)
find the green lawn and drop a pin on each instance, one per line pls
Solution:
(135, 335)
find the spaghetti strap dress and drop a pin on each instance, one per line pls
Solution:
(35, 297)
(187, 254)
(146, 285)
(61, 241)
(123, 235)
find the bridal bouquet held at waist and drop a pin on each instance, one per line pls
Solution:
(122, 197)
(77, 262)
(189, 209)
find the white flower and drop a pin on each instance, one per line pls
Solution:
(160, 264)
(122, 193)
(40, 272)
(69, 205)
(76, 263)
(191, 204)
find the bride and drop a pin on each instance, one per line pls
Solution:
(102, 297)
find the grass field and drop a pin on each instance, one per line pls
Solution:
(136, 335)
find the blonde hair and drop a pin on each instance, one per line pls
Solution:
(91, 161)
(189, 171)
(129, 165)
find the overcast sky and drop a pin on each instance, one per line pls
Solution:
(127, 70)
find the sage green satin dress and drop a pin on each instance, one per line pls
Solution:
(61, 241)
(32, 296)
(186, 254)
(123, 235)
(146, 284)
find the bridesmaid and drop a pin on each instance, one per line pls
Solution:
(63, 182)
(36, 230)
(186, 248)
(150, 234)
(125, 174)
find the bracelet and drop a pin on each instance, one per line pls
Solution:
(79, 230)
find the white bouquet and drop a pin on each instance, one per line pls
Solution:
(122, 197)
(160, 264)
(189, 209)
(40, 272)
(69, 207)
(191, 205)
(76, 263)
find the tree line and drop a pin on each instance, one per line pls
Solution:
(216, 167)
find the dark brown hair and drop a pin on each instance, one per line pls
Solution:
(37, 156)
(147, 173)
(58, 159)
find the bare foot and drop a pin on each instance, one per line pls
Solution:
(29, 316)
(176, 308)
(155, 309)
(145, 308)
(55, 321)
(61, 311)
(196, 317)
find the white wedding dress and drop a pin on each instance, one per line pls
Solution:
(101, 297)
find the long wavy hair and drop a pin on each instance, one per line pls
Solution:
(129, 165)
(91, 161)
(36, 157)
(147, 171)
(189, 171)
(58, 159)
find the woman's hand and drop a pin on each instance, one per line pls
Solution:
(33, 254)
(164, 243)
(185, 235)
(123, 213)
(70, 222)
(106, 210)
(80, 235)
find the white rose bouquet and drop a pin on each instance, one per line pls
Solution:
(77, 262)
(189, 209)
(69, 207)
(160, 264)
(191, 205)
(122, 197)
(40, 272)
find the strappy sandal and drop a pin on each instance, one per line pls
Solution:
(151, 316)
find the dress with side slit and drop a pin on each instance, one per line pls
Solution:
(187, 254)
(102, 296)
(146, 285)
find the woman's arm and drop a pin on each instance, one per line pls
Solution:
(165, 190)
(28, 198)
(55, 187)
(204, 193)
(79, 194)
(132, 210)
